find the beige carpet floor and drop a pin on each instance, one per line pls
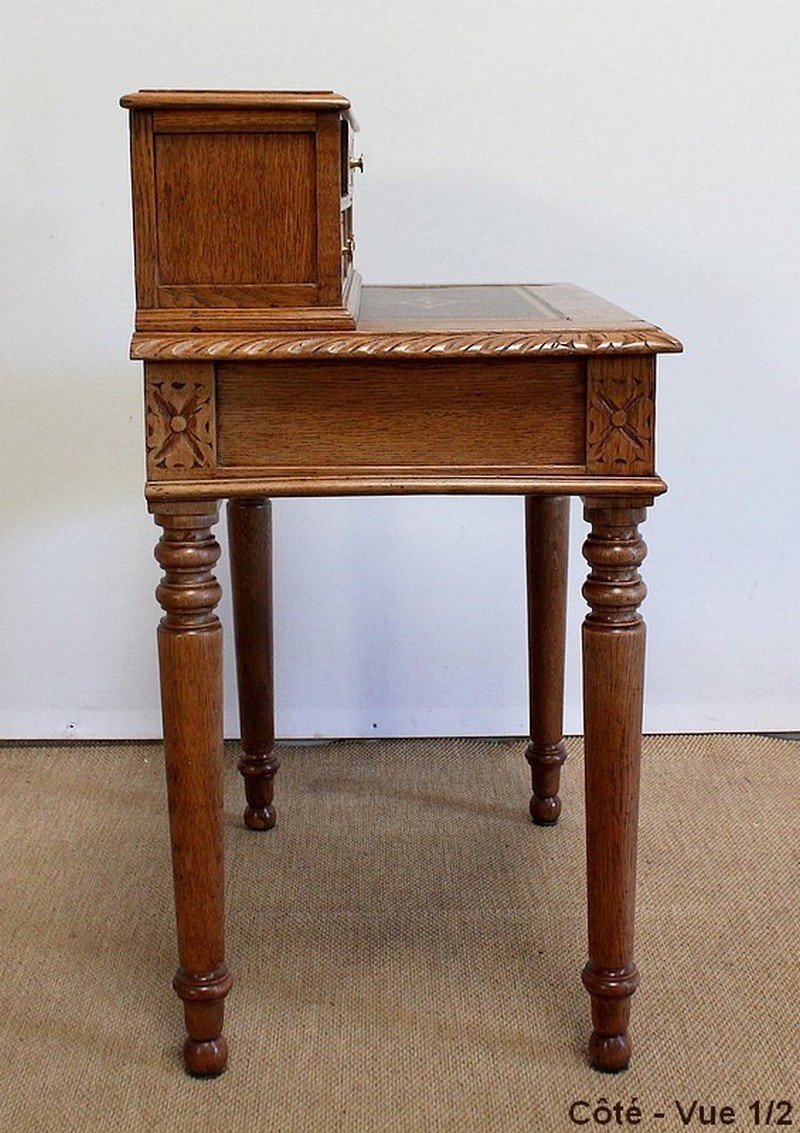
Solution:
(406, 945)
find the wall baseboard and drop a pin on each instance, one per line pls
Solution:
(324, 724)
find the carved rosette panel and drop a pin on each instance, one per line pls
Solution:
(620, 416)
(180, 419)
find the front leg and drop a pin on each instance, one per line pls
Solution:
(190, 661)
(613, 658)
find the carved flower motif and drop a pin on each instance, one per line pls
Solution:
(179, 425)
(632, 418)
(620, 422)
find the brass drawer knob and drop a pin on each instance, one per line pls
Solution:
(349, 246)
(357, 162)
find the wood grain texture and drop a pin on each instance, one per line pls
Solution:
(385, 481)
(522, 307)
(180, 418)
(270, 371)
(248, 298)
(144, 207)
(235, 100)
(190, 662)
(379, 414)
(177, 322)
(328, 196)
(547, 548)
(250, 544)
(613, 659)
(237, 213)
(401, 344)
(620, 416)
(585, 307)
(232, 121)
(235, 208)
(442, 322)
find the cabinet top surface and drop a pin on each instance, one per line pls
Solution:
(443, 321)
(221, 99)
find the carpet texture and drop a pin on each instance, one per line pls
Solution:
(406, 946)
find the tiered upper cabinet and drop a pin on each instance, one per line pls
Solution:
(243, 210)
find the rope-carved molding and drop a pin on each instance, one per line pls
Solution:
(355, 344)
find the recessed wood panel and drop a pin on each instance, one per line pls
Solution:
(516, 413)
(235, 208)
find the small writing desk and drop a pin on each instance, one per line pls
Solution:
(543, 391)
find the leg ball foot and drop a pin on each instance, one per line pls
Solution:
(609, 1053)
(545, 761)
(206, 1059)
(545, 811)
(260, 818)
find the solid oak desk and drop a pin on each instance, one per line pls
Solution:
(543, 391)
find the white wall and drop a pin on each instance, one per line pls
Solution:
(645, 150)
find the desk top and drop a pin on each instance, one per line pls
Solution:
(440, 321)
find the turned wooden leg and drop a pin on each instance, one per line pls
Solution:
(190, 660)
(546, 541)
(613, 659)
(250, 544)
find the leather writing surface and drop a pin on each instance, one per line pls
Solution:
(467, 303)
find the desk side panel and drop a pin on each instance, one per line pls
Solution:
(370, 427)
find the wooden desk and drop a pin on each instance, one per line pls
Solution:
(543, 391)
